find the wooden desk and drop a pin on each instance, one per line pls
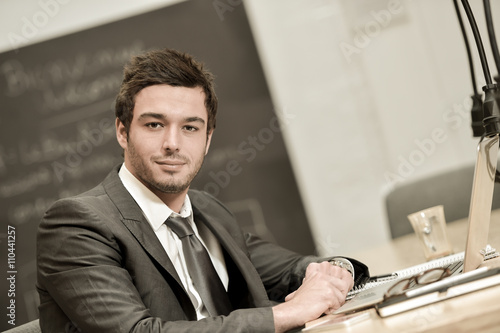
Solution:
(475, 312)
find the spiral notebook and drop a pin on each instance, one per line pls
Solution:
(477, 236)
(373, 291)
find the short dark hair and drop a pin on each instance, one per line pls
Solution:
(163, 66)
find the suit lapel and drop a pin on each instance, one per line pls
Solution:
(241, 269)
(136, 223)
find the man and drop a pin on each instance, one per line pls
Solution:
(113, 260)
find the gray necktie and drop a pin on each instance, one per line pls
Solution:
(200, 268)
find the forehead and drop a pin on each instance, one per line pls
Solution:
(171, 101)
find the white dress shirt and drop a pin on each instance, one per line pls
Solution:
(157, 212)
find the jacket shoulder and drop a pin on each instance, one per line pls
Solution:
(202, 201)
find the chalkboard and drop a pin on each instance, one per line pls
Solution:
(57, 134)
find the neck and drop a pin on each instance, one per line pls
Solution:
(173, 200)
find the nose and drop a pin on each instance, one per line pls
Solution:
(171, 139)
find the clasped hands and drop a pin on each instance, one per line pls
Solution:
(323, 290)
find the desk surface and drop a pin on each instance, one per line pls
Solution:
(475, 312)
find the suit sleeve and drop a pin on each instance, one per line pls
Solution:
(84, 286)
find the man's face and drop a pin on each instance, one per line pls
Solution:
(167, 140)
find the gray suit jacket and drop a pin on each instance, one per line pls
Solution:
(101, 268)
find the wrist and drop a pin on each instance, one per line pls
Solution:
(343, 263)
(284, 318)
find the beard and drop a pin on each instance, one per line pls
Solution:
(173, 184)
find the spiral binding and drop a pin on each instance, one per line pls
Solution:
(453, 261)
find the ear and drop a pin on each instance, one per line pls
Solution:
(209, 139)
(121, 134)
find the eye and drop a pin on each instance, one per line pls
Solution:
(190, 128)
(154, 125)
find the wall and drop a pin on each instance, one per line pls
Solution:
(380, 93)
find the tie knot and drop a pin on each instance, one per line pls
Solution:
(179, 225)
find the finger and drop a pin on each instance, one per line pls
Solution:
(344, 275)
(338, 271)
(336, 301)
(313, 268)
(325, 268)
(289, 296)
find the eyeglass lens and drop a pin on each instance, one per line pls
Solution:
(426, 277)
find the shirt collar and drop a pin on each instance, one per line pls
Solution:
(155, 210)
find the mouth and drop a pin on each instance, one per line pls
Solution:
(171, 164)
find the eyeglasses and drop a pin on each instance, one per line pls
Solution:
(423, 278)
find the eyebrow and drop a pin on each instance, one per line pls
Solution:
(195, 120)
(151, 115)
(162, 117)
